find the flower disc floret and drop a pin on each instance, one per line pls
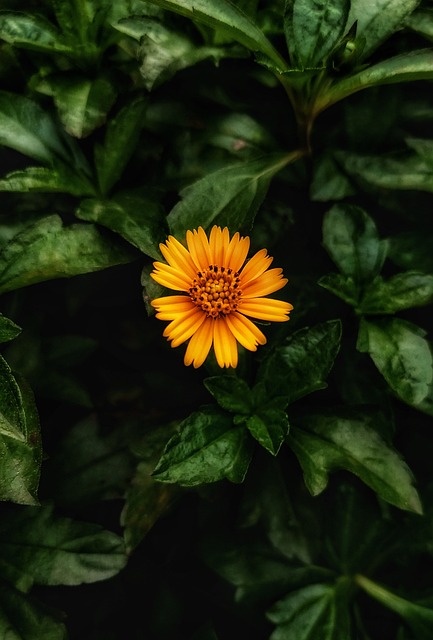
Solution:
(222, 291)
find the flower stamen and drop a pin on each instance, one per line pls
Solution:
(216, 291)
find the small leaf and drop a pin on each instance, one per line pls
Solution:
(57, 180)
(313, 29)
(342, 286)
(303, 362)
(122, 136)
(318, 610)
(17, 129)
(208, 448)
(47, 250)
(72, 552)
(412, 250)
(402, 291)
(348, 440)
(228, 197)
(30, 32)
(12, 416)
(379, 19)
(225, 17)
(8, 329)
(328, 181)
(269, 426)
(137, 217)
(403, 356)
(352, 241)
(232, 393)
(82, 103)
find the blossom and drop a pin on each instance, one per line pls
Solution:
(220, 293)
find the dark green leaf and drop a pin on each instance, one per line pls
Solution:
(348, 440)
(47, 250)
(329, 182)
(269, 427)
(318, 610)
(30, 32)
(342, 286)
(422, 22)
(403, 356)
(412, 250)
(402, 291)
(23, 618)
(12, 416)
(82, 103)
(227, 197)
(303, 362)
(21, 454)
(419, 618)
(17, 129)
(226, 18)
(47, 180)
(72, 552)
(208, 448)
(122, 136)
(136, 217)
(232, 393)
(8, 329)
(313, 29)
(379, 19)
(352, 241)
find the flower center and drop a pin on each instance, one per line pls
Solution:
(216, 291)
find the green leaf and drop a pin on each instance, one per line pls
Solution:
(352, 241)
(46, 180)
(72, 552)
(47, 250)
(318, 610)
(342, 286)
(8, 329)
(313, 29)
(379, 19)
(269, 426)
(402, 291)
(17, 129)
(329, 441)
(301, 365)
(122, 136)
(23, 618)
(403, 356)
(137, 217)
(83, 103)
(20, 450)
(412, 250)
(406, 67)
(228, 197)
(232, 393)
(328, 181)
(208, 448)
(419, 618)
(421, 22)
(226, 18)
(30, 32)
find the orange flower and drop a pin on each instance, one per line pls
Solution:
(221, 291)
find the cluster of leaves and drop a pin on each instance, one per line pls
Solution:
(295, 493)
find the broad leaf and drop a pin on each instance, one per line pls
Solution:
(122, 136)
(313, 29)
(422, 22)
(407, 67)
(227, 197)
(318, 610)
(208, 448)
(23, 618)
(403, 356)
(402, 291)
(412, 250)
(232, 393)
(303, 362)
(136, 217)
(72, 552)
(378, 19)
(47, 250)
(30, 32)
(82, 103)
(329, 441)
(352, 241)
(269, 426)
(228, 19)
(47, 180)
(17, 129)
(20, 449)
(8, 329)
(342, 286)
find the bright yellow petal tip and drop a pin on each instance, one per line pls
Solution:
(220, 289)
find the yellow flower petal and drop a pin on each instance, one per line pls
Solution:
(256, 266)
(184, 326)
(224, 344)
(237, 252)
(266, 309)
(198, 246)
(170, 307)
(245, 331)
(267, 283)
(178, 257)
(170, 277)
(199, 346)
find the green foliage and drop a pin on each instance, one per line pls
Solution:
(290, 498)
